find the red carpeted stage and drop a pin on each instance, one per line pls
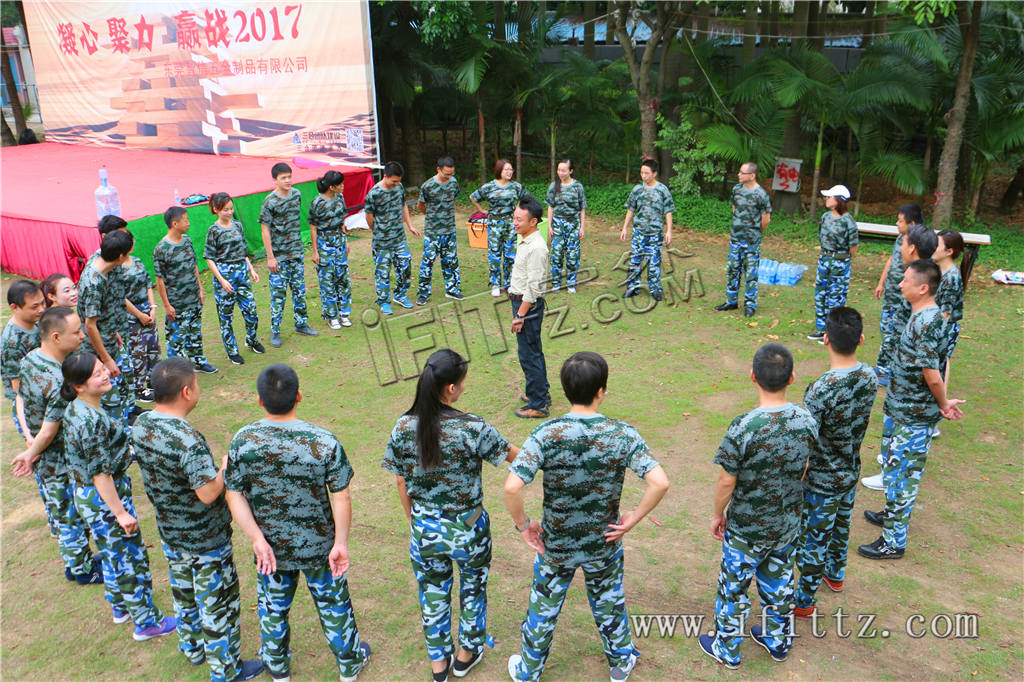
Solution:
(48, 214)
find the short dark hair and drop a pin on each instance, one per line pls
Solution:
(844, 327)
(110, 222)
(116, 244)
(911, 213)
(952, 239)
(393, 168)
(278, 388)
(773, 366)
(20, 290)
(169, 377)
(218, 200)
(650, 163)
(923, 239)
(499, 166)
(583, 374)
(446, 162)
(173, 215)
(55, 319)
(926, 272)
(532, 206)
(280, 168)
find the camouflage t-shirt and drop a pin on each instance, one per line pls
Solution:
(568, 203)
(176, 263)
(466, 442)
(283, 215)
(649, 206)
(285, 469)
(748, 206)
(328, 214)
(950, 295)
(501, 201)
(93, 443)
(439, 200)
(101, 296)
(226, 244)
(136, 281)
(15, 344)
(922, 345)
(386, 207)
(892, 296)
(119, 317)
(766, 449)
(175, 460)
(41, 380)
(837, 233)
(840, 400)
(584, 459)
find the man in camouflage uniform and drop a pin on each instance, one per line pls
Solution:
(278, 474)
(584, 456)
(40, 379)
(437, 201)
(915, 401)
(386, 214)
(185, 487)
(762, 455)
(751, 213)
(177, 279)
(143, 337)
(280, 220)
(652, 205)
(840, 401)
(888, 290)
(330, 253)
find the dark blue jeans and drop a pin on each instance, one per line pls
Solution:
(531, 356)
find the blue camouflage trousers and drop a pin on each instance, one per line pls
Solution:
(954, 336)
(437, 539)
(399, 258)
(72, 538)
(445, 246)
(645, 248)
(830, 287)
(565, 251)
(772, 567)
(501, 251)
(904, 453)
(237, 275)
(207, 605)
(607, 603)
(332, 273)
(126, 577)
(290, 275)
(54, 530)
(144, 348)
(887, 344)
(743, 261)
(275, 593)
(185, 335)
(824, 540)
(119, 401)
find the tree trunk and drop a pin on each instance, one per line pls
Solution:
(773, 23)
(1013, 191)
(413, 150)
(817, 168)
(12, 89)
(499, 21)
(589, 14)
(849, 151)
(749, 32)
(7, 138)
(517, 139)
(869, 23)
(552, 165)
(816, 26)
(792, 141)
(668, 79)
(798, 28)
(969, 15)
(483, 149)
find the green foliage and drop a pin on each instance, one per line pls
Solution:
(445, 23)
(691, 162)
(926, 11)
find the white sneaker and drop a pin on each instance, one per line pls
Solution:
(513, 663)
(619, 674)
(554, 289)
(873, 482)
(936, 433)
(572, 290)
(345, 322)
(495, 292)
(334, 324)
(880, 459)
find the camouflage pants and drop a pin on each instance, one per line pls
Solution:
(399, 258)
(290, 275)
(72, 538)
(144, 348)
(126, 577)
(275, 593)
(185, 335)
(119, 401)
(645, 247)
(207, 605)
(607, 603)
(237, 275)
(332, 272)
(904, 453)
(885, 345)
(565, 251)
(54, 529)
(830, 287)
(772, 567)
(743, 260)
(824, 540)
(445, 246)
(437, 540)
(501, 251)
(954, 336)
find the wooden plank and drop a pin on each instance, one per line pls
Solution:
(190, 113)
(892, 231)
(246, 101)
(181, 129)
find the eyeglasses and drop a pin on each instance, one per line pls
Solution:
(746, 173)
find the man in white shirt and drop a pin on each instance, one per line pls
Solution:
(529, 274)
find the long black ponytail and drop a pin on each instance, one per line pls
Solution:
(558, 180)
(76, 368)
(329, 179)
(443, 367)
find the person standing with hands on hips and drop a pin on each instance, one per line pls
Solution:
(526, 292)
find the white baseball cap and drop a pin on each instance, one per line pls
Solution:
(836, 191)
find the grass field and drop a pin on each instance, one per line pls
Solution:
(679, 373)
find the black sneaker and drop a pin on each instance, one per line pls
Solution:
(306, 330)
(816, 336)
(462, 668)
(206, 368)
(236, 359)
(757, 635)
(255, 347)
(749, 311)
(706, 643)
(656, 295)
(443, 675)
(879, 550)
(145, 396)
(727, 306)
(875, 517)
(630, 293)
(249, 670)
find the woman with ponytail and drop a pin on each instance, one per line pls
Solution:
(97, 457)
(567, 211)
(330, 250)
(436, 453)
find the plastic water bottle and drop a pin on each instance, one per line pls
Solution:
(773, 272)
(177, 197)
(107, 200)
(782, 275)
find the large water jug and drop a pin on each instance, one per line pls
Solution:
(107, 200)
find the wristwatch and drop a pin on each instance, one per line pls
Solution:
(525, 525)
